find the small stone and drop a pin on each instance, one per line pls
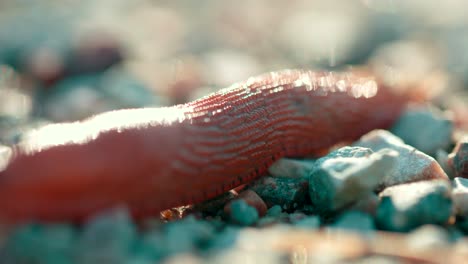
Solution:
(309, 222)
(355, 221)
(460, 196)
(425, 128)
(243, 214)
(40, 244)
(224, 239)
(187, 235)
(339, 181)
(274, 211)
(411, 165)
(291, 168)
(107, 238)
(406, 206)
(252, 199)
(289, 193)
(428, 236)
(458, 159)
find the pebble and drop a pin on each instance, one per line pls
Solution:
(243, 214)
(274, 211)
(411, 165)
(406, 206)
(458, 159)
(309, 222)
(288, 193)
(186, 235)
(33, 243)
(252, 199)
(428, 236)
(107, 238)
(460, 196)
(291, 168)
(426, 128)
(355, 221)
(346, 175)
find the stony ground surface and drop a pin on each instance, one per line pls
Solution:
(396, 196)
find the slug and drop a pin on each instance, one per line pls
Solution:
(152, 159)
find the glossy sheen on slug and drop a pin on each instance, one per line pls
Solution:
(156, 158)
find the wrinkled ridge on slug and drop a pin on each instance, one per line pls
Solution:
(156, 158)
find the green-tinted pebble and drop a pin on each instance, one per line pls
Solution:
(289, 193)
(406, 206)
(274, 211)
(187, 235)
(243, 214)
(52, 244)
(310, 222)
(107, 238)
(355, 221)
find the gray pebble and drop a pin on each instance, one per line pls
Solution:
(411, 165)
(355, 221)
(339, 181)
(406, 206)
(425, 128)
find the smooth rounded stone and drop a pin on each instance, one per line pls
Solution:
(355, 221)
(309, 222)
(338, 181)
(425, 128)
(411, 164)
(289, 193)
(252, 199)
(406, 206)
(40, 244)
(243, 214)
(291, 168)
(460, 196)
(458, 159)
(107, 238)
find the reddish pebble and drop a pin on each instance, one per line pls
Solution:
(252, 199)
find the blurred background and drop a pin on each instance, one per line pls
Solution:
(67, 60)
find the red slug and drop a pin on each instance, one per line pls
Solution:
(157, 158)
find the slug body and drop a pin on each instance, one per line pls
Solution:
(157, 158)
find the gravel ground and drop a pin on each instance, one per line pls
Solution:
(396, 196)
